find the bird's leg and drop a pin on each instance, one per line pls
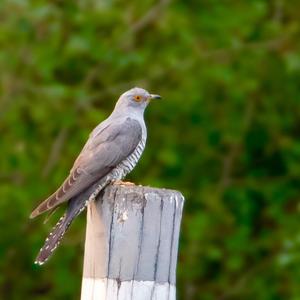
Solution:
(120, 182)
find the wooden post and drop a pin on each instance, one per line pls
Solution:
(131, 244)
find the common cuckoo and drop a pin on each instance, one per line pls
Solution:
(111, 152)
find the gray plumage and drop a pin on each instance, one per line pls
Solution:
(111, 152)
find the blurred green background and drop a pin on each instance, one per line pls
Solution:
(227, 135)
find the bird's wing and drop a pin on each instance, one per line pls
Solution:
(99, 156)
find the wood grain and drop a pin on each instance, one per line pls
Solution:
(132, 244)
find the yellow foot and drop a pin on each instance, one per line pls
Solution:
(120, 182)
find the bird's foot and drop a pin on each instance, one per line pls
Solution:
(124, 183)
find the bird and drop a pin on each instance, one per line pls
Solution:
(112, 151)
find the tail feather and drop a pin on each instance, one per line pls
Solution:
(57, 233)
(75, 206)
(53, 240)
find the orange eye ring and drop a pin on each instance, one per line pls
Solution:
(137, 98)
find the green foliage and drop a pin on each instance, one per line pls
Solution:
(227, 134)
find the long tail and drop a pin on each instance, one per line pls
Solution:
(75, 207)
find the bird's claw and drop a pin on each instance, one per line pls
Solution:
(124, 183)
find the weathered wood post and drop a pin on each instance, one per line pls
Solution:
(131, 244)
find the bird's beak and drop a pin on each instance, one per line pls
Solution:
(156, 97)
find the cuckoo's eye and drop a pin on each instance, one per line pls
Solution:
(137, 98)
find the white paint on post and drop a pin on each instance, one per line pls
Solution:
(94, 289)
(131, 244)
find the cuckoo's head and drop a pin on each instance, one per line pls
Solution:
(137, 98)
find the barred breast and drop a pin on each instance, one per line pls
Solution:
(130, 162)
(120, 171)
